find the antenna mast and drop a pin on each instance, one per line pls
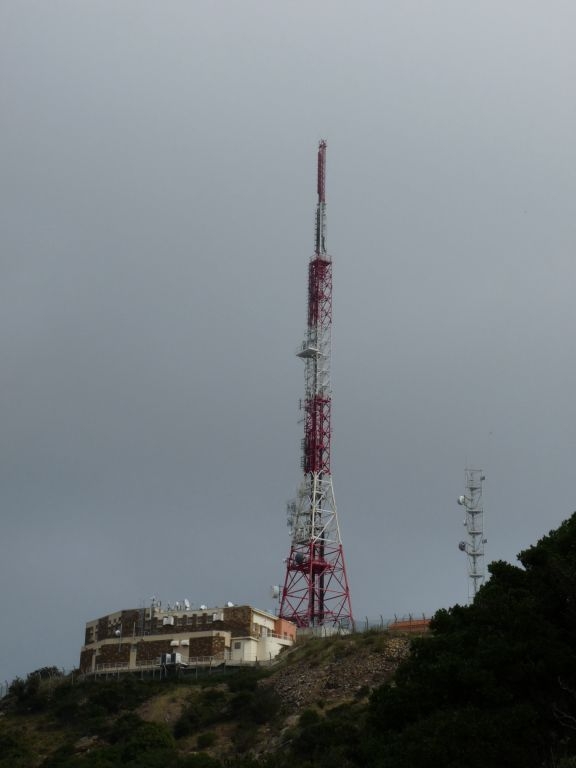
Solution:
(316, 589)
(474, 522)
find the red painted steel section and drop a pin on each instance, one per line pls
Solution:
(316, 590)
(317, 428)
(317, 434)
(322, 172)
(319, 293)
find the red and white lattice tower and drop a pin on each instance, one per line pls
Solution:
(315, 591)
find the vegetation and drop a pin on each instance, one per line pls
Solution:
(494, 684)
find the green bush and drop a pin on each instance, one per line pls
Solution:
(328, 742)
(188, 722)
(200, 760)
(245, 680)
(308, 717)
(147, 744)
(29, 695)
(245, 737)
(211, 706)
(206, 740)
(258, 706)
(14, 752)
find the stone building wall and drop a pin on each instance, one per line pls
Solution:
(150, 650)
(238, 620)
(131, 621)
(86, 659)
(102, 632)
(207, 646)
(111, 653)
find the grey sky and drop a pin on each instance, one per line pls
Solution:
(157, 164)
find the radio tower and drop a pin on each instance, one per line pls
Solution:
(315, 591)
(474, 522)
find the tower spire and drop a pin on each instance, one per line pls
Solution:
(315, 591)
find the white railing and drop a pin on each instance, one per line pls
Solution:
(111, 665)
(277, 636)
(194, 661)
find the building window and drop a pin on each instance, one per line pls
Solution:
(237, 646)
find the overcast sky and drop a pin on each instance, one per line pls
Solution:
(157, 194)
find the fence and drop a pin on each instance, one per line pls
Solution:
(408, 623)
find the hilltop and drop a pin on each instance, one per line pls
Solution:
(493, 684)
(195, 721)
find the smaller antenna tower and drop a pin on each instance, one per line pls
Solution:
(474, 522)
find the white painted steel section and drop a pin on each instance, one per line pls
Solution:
(474, 523)
(312, 515)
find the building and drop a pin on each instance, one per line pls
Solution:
(140, 638)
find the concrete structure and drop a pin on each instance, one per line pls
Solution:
(140, 638)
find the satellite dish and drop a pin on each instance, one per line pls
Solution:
(117, 632)
(203, 607)
(462, 546)
(229, 604)
(461, 500)
(299, 558)
(187, 604)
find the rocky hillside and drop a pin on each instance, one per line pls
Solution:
(327, 673)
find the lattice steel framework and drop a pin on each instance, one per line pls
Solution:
(474, 522)
(316, 591)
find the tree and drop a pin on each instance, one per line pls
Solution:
(496, 677)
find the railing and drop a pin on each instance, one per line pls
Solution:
(407, 623)
(276, 636)
(195, 661)
(112, 665)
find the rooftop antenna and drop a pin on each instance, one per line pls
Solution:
(474, 523)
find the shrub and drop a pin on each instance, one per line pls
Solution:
(308, 717)
(208, 708)
(201, 760)
(206, 740)
(245, 737)
(14, 752)
(146, 738)
(258, 706)
(245, 680)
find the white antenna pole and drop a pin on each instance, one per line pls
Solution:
(474, 522)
